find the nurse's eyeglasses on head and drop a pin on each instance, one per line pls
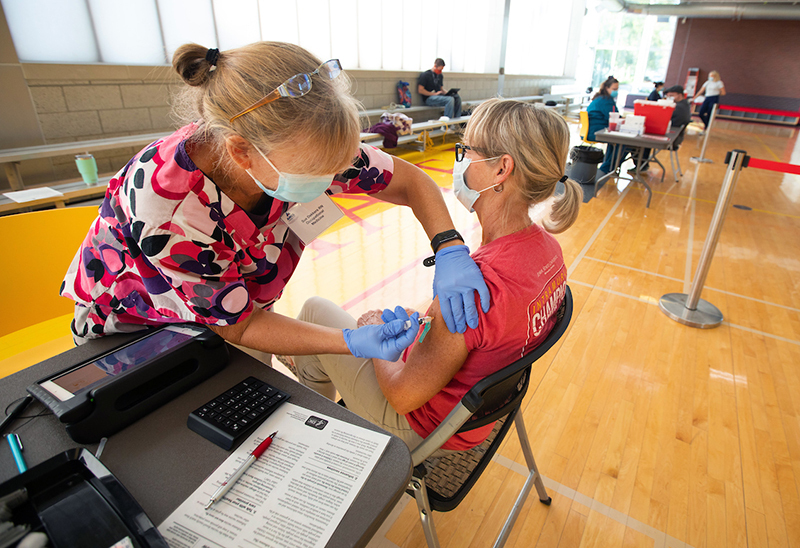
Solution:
(296, 86)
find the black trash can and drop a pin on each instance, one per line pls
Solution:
(583, 162)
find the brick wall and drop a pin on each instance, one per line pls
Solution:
(753, 57)
(82, 102)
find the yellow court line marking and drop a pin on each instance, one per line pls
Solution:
(777, 158)
(714, 202)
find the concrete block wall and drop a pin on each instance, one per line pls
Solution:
(84, 102)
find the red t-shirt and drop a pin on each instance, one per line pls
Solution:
(527, 280)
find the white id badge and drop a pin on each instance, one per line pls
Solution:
(311, 219)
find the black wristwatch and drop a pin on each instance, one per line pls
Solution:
(446, 236)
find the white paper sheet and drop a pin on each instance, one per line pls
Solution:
(21, 196)
(295, 495)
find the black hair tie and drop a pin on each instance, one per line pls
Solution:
(212, 56)
(563, 179)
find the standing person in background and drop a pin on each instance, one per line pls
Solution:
(655, 95)
(430, 86)
(713, 88)
(603, 104)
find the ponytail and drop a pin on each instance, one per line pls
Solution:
(603, 91)
(195, 63)
(565, 209)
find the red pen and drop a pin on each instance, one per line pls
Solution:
(231, 481)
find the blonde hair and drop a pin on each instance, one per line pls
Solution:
(538, 141)
(714, 73)
(323, 124)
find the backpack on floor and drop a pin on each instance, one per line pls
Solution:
(403, 94)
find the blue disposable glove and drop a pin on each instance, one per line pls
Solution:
(386, 341)
(454, 281)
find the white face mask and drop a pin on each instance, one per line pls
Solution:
(466, 195)
(292, 187)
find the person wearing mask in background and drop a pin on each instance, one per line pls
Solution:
(512, 158)
(714, 88)
(430, 85)
(193, 228)
(603, 104)
(655, 95)
(681, 117)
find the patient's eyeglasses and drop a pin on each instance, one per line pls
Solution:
(461, 151)
(296, 86)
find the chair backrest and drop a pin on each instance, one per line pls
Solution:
(500, 393)
(584, 131)
(37, 249)
(497, 399)
(676, 144)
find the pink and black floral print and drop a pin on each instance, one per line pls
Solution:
(169, 246)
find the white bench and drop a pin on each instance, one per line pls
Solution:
(11, 157)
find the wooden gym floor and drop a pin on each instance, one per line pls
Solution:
(648, 433)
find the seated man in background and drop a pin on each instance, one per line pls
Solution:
(430, 86)
(683, 110)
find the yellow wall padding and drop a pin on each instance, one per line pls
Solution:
(36, 250)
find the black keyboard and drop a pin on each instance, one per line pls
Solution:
(232, 415)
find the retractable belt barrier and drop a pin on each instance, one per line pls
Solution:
(769, 165)
(690, 309)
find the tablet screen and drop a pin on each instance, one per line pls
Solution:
(87, 376)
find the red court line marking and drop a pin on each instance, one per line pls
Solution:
(781, 167)
(423, 166)
(383, 283)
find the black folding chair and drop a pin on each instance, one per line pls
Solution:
(441, 483)
(673, 158)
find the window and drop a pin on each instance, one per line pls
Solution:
(635, 49)
(363, 34)
(538, 36)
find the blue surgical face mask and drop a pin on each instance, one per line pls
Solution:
(293, 187)
(614, 94)
(466, 195)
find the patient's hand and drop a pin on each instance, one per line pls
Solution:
(373, 317)
(370, 317)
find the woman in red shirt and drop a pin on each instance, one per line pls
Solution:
(512, 158)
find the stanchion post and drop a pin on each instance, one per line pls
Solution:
(690, 309)
(702, 158)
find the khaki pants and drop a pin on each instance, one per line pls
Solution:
(353, 377)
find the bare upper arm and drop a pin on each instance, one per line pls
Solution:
(431, 364)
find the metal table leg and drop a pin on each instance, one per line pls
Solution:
(638, 176)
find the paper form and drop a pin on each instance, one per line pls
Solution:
(294, 495)
(22, 196)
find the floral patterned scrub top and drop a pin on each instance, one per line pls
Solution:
(170, 246)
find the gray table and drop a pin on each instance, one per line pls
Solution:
(162, 462)
(638, 143)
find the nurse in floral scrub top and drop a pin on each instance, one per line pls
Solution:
(190, 229)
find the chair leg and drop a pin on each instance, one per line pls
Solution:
(672, 163)
(534, 479)
(417, 485)
(678, 161)
(526, 450)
